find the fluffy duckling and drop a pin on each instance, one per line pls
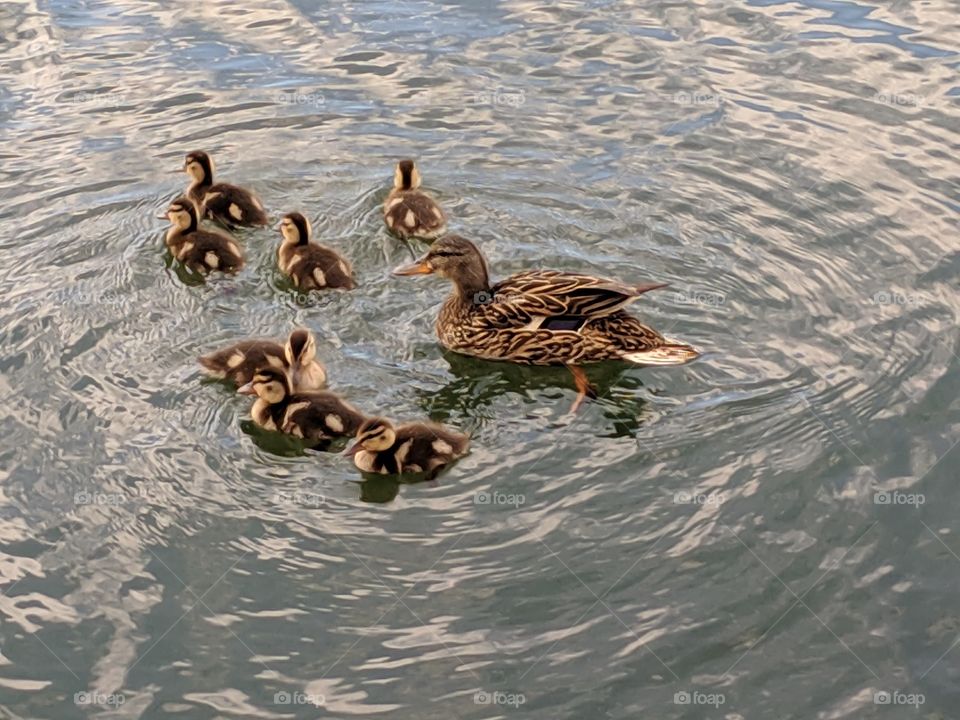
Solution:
(410, 448)
(313, 416)
(408, 211)
(200, 250)
(227, 204)
(311, 266)
(241, 361)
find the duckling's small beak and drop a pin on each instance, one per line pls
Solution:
(247, 389)
(419, 267)
(350, 452)
(162, 217)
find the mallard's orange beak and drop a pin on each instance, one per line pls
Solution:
(419, 267)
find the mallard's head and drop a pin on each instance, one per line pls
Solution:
(301, 348)
(295, 229)
(268, 384)
(455, 258)
(182, 214)
(375, 435)
(406, 176)
(199, 166)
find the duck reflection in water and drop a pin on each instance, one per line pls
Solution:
(478, 385)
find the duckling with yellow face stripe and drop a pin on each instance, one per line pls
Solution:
(200, 250)
(410, 448)
(310, 265)
(408, 211)
(229, 205)
(313, 416)
(241, 361)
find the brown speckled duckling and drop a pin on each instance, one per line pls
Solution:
(229, 205)
(313, 416)
(241, 361)
(310, 265)
(408, 211)
(200, 250)
(410, 448)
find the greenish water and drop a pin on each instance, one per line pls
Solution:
(769, 532)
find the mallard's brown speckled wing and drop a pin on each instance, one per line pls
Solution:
(564, 299)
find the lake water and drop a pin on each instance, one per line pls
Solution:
(769, 532)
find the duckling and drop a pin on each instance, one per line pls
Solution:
(313, 416)
(311, 266)
(410, 448)
(200, 250)
(408, 211)
(241, 361)
(229, 205)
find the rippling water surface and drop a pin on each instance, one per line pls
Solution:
(768, 532)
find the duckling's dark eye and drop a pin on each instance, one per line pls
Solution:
(444, 253)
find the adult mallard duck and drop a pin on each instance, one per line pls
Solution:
(541, 317)
(410, 448)
(408, 211)
(313, 416)
(310, 265)
(229, 205)
(200, 250)
(241, 361)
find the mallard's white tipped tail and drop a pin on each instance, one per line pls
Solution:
(673, 352)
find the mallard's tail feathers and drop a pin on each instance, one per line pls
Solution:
(672, 352)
